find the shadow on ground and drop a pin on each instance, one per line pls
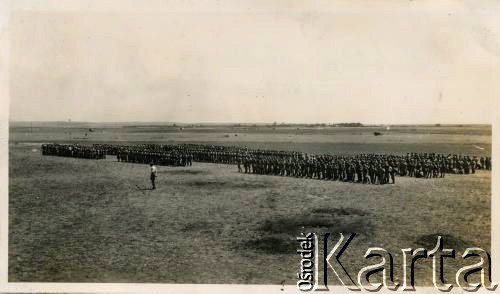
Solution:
(278, 234)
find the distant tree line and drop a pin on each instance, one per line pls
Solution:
(283, 124)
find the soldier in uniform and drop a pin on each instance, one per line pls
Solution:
(153, 175)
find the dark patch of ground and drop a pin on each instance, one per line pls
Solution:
(293, 225)
(225, 185)
(203, 227)
(272, 245)
(429, 241)
(184, 172)
(340, 211)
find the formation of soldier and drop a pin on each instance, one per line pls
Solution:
(197, 152)
(364, 168)
(138, 155)
(73, 150)
(360, 168)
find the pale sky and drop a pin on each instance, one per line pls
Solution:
(371, 61)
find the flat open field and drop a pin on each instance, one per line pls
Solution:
(75, 220)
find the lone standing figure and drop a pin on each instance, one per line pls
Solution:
(153, 176)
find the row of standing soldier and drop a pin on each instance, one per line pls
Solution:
(73, 150)
(363, 168)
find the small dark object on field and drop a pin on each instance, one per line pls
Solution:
(377, 133)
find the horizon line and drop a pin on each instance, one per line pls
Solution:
(251, 123)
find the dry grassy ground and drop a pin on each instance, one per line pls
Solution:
(74, 220)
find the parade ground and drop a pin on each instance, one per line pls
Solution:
(78, 220)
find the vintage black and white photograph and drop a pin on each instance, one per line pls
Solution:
(299, 144)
